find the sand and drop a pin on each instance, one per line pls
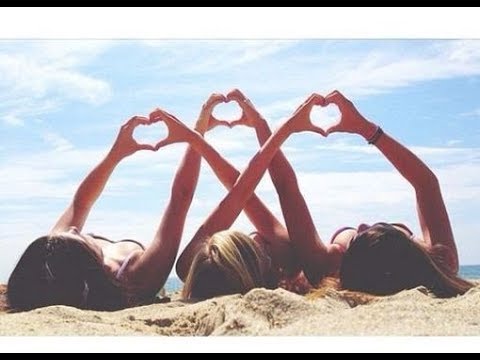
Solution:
(264, 312)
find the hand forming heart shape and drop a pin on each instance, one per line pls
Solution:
(145, 134)
(350, 119)
(250, 116)
(231, 123)
(325, 117)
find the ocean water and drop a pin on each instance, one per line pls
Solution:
(173, 284)
(471, 272)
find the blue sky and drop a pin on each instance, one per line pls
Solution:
(62, 103)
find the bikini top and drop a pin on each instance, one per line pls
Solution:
(398, 225)
(127, 260)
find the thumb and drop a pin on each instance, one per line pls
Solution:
(162, 144)
(236, 123)
(318, 130)
(146, 147)
(216, 123)
(334, 129)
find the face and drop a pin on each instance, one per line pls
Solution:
(88, 241)
(345, 238)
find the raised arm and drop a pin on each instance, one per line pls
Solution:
(91, 188)
(432, 213)
(151, 270)
(226, 213)
(301, 228)
(257, 212)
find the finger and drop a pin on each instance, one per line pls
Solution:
(247, 106)
(135, 120)
(161, 115)
(316, 99)
(146, 147)
(236, 95)
(313, 100)
(335, 97)
(334, 129)
(220, 123)
(213, 118)
(162, 144)
(318, 130)
(156, 116)
(140, 120)
(237, 123)
(218, 98)
(215, 99)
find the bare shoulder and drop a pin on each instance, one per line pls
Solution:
(128, 271)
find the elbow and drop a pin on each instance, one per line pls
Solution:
(431, 178)
(428, 180)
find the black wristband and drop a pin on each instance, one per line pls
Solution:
(375, 137)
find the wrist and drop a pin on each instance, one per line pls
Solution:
(368, 130)
(260, 123)
(115, 155)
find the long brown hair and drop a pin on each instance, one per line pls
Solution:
(59, 270)
(384, 261)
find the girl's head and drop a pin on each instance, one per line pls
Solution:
(230, 262)
(384, 260)
(62, 270)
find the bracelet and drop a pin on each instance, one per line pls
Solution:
(376, 136)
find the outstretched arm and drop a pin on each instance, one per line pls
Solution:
(151, 270)
(301, 228)
(432, 212)
(91, 188)
(257, 212)
(229, 209)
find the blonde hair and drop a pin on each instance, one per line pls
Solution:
(230, 262)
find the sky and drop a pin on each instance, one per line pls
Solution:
(62, 103)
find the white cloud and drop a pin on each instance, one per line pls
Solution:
(474, 113)
(364, 72)
(205, 57)
(58, 142)
(347, 152)
(11, 119)
(454, 142)
(379, 72)
(55, 174)
(450, 153)
(37, 77)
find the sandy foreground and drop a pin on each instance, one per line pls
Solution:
(263, 312)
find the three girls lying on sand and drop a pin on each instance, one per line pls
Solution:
(69, 267)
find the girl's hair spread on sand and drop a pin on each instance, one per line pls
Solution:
(58, 270)
(230, 262)
(384, 261)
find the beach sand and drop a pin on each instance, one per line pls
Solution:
(263, 312)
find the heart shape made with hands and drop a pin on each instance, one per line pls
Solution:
(150, 134)
(325, 117)
(229, 111)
